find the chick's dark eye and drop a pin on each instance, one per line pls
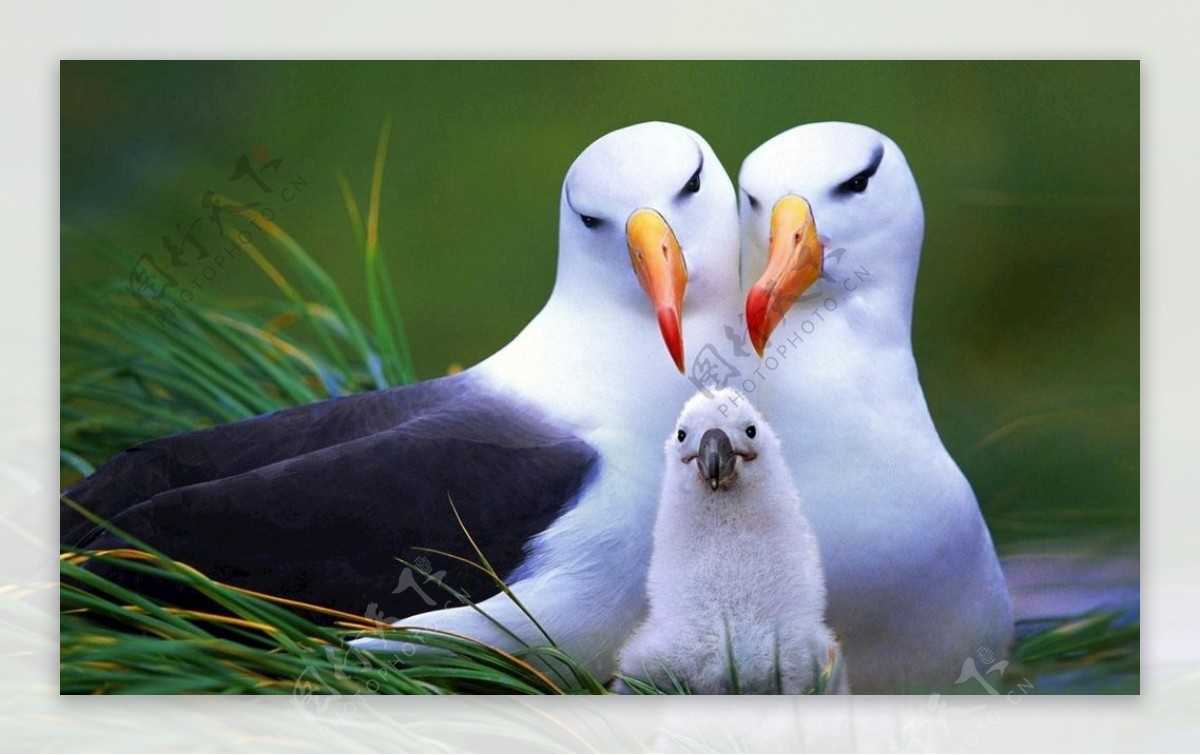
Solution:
(589, 221)
(681, 435)
(693, 184)
(751, 431)
(858, 184)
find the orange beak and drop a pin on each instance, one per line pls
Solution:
(794, 262)
(658, 261)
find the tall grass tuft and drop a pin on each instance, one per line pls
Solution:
(130, 373)
(117, 641)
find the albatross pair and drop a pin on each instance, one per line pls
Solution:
(550, 449)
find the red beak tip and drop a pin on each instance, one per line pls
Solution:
(676, 350)
(672, 332)
(756, 340)
(760, 320)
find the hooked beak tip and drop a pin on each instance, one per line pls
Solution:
(672, 332)
(657, 260)
(757, 303)
(794, 262)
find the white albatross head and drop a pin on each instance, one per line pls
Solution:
(820, 188)
(721, 444)
(648, 212)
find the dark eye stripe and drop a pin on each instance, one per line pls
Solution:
(857, 184)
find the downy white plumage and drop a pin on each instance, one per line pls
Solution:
(737, 597)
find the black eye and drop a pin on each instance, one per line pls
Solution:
(858, 184)
(753, 202)
(693, 184)
(751, 431)
(681, 435)
(589, 221)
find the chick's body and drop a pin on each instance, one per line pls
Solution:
(736, 591)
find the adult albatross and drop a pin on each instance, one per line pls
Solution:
(542, 446)
(915, 588)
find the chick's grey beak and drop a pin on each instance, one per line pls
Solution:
(716, 458)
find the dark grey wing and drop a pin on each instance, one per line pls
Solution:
(328, 526)
(214, 453)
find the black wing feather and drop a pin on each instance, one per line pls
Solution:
(317, 503)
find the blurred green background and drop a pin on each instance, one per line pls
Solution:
(1026, 326)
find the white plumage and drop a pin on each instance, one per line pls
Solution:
(594, 360)
(915, 588)
(735, 577)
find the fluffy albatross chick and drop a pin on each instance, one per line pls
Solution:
(737, 596)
